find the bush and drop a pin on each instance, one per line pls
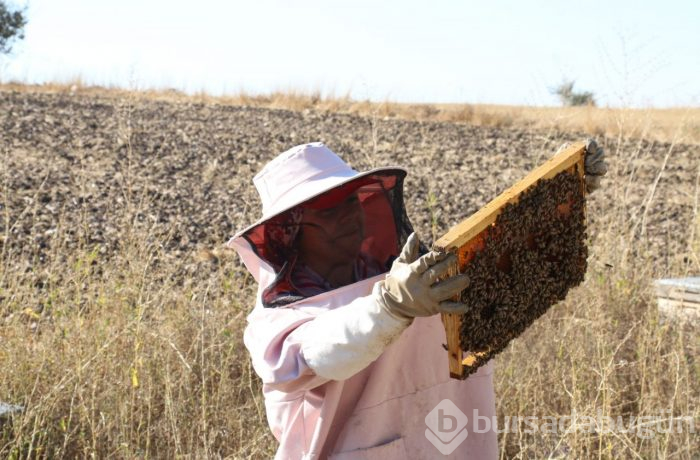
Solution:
(569, 98)
(11, 27)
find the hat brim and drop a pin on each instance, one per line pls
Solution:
(319, 188)
(337, 195)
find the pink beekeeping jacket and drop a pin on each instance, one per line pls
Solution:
(379, 413)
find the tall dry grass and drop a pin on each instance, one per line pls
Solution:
(120, 360)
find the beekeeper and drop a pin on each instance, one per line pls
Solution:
(345, 333)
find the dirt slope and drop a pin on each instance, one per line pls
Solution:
(80, 171)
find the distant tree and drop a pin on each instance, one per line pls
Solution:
(569, 98)
(11, 27)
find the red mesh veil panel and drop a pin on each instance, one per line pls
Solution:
(381, 230)
(386, 229)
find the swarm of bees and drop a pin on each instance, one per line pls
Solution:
(528, 260)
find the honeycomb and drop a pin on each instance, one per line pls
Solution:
(521, 265)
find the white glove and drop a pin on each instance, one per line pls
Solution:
(340, 343)
(595, 166)
(410, 288)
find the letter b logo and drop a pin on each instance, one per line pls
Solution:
(446, 426)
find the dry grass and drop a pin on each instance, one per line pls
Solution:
(680, 125)
(116, 360)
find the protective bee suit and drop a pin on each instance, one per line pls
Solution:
(351, 372)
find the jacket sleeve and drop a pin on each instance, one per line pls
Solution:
(294, 350)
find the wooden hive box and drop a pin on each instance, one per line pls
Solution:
(496, 315)
(679, 298)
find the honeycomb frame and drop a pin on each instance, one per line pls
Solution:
(482, 231)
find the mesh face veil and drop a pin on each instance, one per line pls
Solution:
(386, 228)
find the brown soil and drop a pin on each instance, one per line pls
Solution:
(84, 171)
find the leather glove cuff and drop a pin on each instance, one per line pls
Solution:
(339, 343)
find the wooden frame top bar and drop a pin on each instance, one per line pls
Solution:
(463, 232)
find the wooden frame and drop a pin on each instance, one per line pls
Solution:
(471, 232)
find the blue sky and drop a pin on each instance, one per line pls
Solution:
(628, 53)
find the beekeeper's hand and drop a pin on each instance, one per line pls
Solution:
(341, 342)
(412, 288)
(595, 166)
